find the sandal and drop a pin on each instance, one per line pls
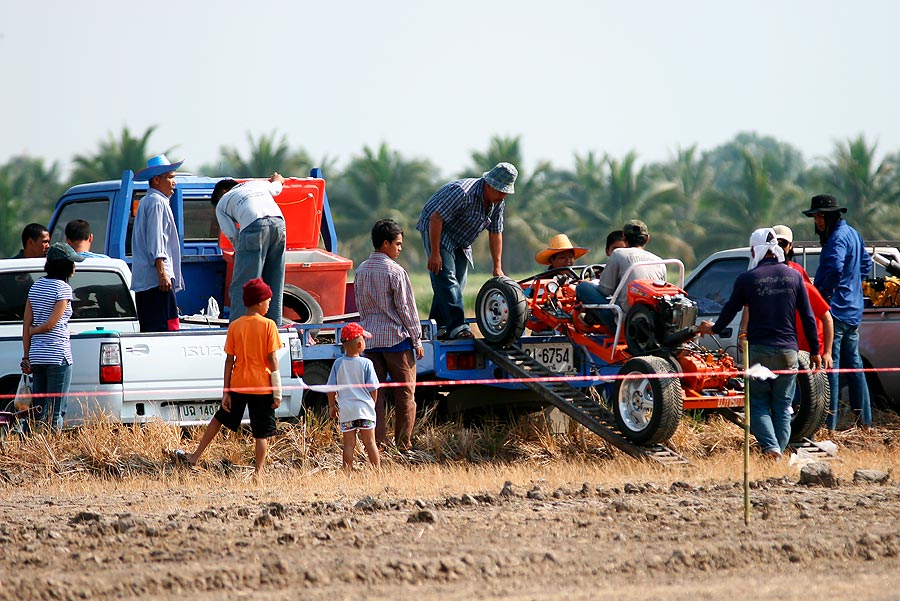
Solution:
(464, 335)
(180, 457)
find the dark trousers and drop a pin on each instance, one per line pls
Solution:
(401, 366)
(157, 310)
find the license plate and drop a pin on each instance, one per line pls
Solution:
(555, 356)
(197, 411)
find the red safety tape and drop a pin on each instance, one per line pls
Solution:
(480, 381)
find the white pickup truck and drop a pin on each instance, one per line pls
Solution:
(118, 371)
(710, 284)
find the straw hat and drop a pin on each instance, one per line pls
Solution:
(558, 243)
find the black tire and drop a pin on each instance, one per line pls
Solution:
(301, 307)
(647, 410)
(501, 311)
(642, 330)
(811, 401)
(316, 374)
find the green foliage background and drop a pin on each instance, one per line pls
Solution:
(698, 201)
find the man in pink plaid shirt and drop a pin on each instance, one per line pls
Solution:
(387, 309)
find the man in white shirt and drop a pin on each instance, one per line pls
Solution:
(259, 244)
(597, 293)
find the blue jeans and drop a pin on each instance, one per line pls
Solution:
(770, 400)
(845, 352)
(590, 294)
(52, 380)
(259, 254)
(447, 308)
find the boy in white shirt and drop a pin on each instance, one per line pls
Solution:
(353, 405)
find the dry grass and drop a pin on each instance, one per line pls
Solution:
(453, 459)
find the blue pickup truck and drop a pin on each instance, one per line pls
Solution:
(316, 277)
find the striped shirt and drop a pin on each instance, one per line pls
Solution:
(387, 306)
(461, 205)
(50, 348)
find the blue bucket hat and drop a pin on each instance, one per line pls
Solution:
(157, 166)
(502, 177)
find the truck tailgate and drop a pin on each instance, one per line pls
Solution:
(163, 370)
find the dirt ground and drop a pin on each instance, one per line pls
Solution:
(639, 540)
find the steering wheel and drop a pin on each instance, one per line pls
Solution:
(592, 272)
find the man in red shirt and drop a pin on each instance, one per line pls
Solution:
(824, 323)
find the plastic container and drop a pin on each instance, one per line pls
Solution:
(321, 273)
(301, 202)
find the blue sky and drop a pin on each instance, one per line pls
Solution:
(437, 80)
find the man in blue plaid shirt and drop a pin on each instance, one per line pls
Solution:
(450, 222)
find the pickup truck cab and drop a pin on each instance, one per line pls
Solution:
(120, 372)
(315, 277)
(710, 284)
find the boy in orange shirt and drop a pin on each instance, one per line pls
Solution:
(252, 379)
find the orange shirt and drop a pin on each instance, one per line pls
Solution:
(250, 339)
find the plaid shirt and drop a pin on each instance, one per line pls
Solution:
(461, 205)
(387, 307)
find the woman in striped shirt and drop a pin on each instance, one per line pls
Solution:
(45, 334)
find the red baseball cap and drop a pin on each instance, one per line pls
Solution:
(353, 330)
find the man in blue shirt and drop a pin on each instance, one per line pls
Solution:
(80, 238)
(843, 264)
(450, 222)
(156, 250)
(774, 293)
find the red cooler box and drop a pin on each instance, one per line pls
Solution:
(320, 273)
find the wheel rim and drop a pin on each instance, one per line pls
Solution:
(636, 402)
(495, 312)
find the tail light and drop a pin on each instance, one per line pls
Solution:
(110, 363)
(296, 358)
(466, 360)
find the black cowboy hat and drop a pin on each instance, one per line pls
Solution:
(823, 203)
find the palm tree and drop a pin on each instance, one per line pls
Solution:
(28, 192)
(376, 185)
(500, 150)
(114, 157)
(757, 200)
(869, 188)
(267, 154)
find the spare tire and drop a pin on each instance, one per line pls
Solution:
(501, 311)
(812, 398)
(300, 306)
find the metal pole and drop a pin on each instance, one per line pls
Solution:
(746, 434)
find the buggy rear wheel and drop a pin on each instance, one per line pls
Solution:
(641, 330)
(501, 311)
(647, 410)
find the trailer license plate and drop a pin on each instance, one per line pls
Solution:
(557, 357)
(197, 411)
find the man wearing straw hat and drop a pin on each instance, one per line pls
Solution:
(560, 252)
(450, 222)
(156, 249)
